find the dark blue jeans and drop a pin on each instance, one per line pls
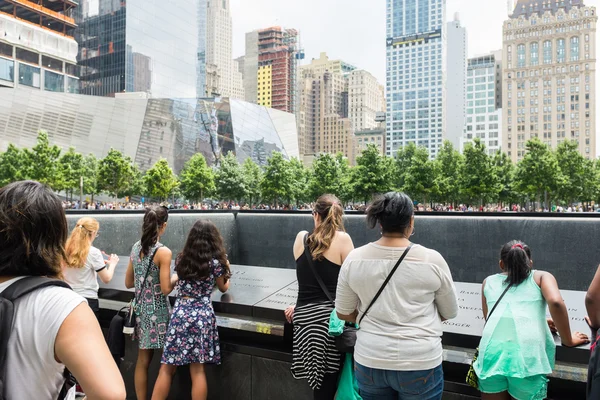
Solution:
(378, 384)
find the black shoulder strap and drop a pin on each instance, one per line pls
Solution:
(385, 282)
(498, 301)
(314, 270)
(16, 290)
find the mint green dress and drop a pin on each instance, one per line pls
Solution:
(516, 340)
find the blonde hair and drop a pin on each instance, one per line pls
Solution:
(79, 243)
(329, 208)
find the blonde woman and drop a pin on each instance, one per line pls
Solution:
(85, 262)
(323, 251)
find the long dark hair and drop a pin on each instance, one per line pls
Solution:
(393, 211)
(155, 217)
(516, 258)
(204, 244)
(33, 230)
(329, 208)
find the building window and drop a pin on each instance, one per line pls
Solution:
(547, 52)
(52, 63)
(6, 50)
(575, 48)
(54, 82)
(560, 50)
(520, 56)
(7, 70)
(534, 54)
(28, 56)
(72, 85)
(29, 76)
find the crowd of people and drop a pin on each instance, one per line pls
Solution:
(399, 293)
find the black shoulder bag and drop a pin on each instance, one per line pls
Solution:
(130, 321)
(472, 379)
(346, 341)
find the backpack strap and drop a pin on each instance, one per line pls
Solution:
(16, 290)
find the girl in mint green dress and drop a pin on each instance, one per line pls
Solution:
(517, 349)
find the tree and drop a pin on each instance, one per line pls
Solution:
(478, 178)
(70, 169)
(538, 173)
(421, 176)
(300, 180)
(197, 179)
(12, 165)
(591, 181)
(404, 158)
(449, 164)
(116, 174)
(252, 177)
(505, 171)
(90, 175)
(159, 181)
(572, 167)
(42, 161)
(277, 179)
(373, 174)
(327, 175)
(229, 179)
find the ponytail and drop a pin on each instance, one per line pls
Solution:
(79, 243)
(154, 219)
(329, 208)
(516, 258)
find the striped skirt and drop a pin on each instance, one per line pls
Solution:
(314, 353)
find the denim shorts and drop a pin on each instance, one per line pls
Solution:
(531, 388)
(378, 384)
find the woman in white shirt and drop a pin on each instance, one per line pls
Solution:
(85, 262)
(53, 327)
(398, 349)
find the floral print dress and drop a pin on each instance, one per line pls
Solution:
(192, 336)
(152, 309)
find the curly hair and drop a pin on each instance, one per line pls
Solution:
(204, 244)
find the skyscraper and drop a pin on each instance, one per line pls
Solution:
(415, 74)
(37, 48)
(484, 102)
(456, 79)
(123, 49)
(549, 75)
(365, 99)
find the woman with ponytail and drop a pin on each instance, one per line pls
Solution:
(517, 350)
(85, 262)
(149, 271)
(323, 251)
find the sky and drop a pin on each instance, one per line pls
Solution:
(354, 30)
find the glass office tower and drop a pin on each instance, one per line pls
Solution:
(138, 46)
(415, 91)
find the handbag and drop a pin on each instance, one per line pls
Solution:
(472, 379)
(347, 339)
(129, 321)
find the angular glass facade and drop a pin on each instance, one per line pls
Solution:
(147, 129)
(139, 46)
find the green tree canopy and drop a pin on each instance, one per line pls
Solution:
(300, 181)
(71, 170)
(505, 171)
(449, 164)
(116, 174)
(404, 159)
(252, 177)
(479, 182)
(90, 175)
(328, 175)
(159, 180)
(276, 185)
(372, 175)
(197, 179)
(12, 165)
(538, 172)
(572, 167)
(42, 162)
(421, 176)
(229, 179)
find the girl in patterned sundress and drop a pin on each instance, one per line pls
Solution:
(149, 271)
(192, 337)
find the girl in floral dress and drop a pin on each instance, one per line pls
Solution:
(192, 337)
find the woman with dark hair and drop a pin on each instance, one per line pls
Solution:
(192, 338)
(53, 327)
(517, 350)
(149, 271)
(321, 252)
(398, 350)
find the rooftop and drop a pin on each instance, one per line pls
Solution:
(529, 7)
